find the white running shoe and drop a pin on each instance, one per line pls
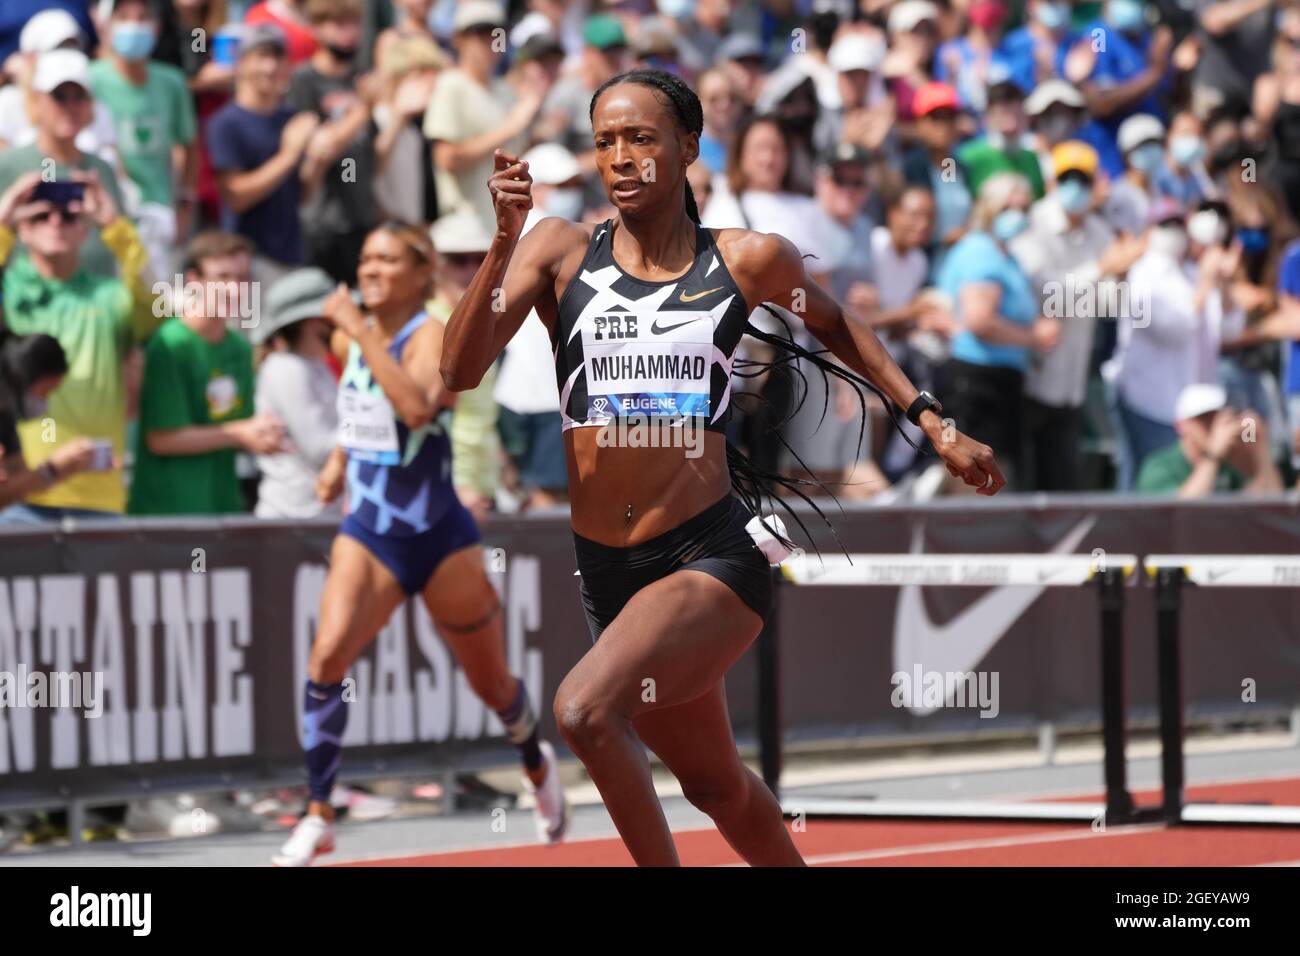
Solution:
(551, 810)
(310, 838)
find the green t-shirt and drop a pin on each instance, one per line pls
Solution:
(190, 381)
(1164, 471)
(982, 161)
(95, 256)
(150, 119)
(91, 317)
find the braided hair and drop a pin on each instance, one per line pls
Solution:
(752, 484)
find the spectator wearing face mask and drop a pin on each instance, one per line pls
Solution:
(1182, 177)
(1058, 112)
(1210, 454)
(999, 322)
(1072, 257)
(1170, 337)
(1141, 141)
(1036, 51)
(1123, 67)
(1236, 37)
(153, 113)
(339, 167)
(1002, 148)
(61, 107)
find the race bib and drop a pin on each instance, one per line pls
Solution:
(656, 364)
(367, 427)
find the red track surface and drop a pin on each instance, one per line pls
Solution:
(924, 843)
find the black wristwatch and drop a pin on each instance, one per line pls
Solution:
(923, 401)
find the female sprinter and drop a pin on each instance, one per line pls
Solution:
(405, 532)
(673, 586)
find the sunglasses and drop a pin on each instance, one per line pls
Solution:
(69, 94)
(63, 213)
(849, 181)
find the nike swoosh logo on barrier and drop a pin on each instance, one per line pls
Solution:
(961, 643)
(658, 329)
(699, 295)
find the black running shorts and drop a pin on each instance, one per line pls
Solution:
(714, 541)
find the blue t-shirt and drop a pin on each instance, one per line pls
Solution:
(1017, 49)
(1120, 58)
(1288, 282)
(977, 257)
(240, 140)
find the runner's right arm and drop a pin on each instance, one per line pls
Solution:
(516, 274)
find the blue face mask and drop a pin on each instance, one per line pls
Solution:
(1126, 16)
(1185, 150)
(133, 41)
(1053, 15)
(676, 9)
(1073, 196)
(1147, 158)
(1009, 224)
(1253, 240)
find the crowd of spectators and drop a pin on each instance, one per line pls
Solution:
(1074, 222)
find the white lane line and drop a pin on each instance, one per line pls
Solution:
(989, 843)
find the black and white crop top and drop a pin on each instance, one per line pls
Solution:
(628, 348)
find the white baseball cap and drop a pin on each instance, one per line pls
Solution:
(1197, 399)
(1053, 91)
(47, 30)
(906, 15)
(855, 51)
(460, 231)
(1138, 129)
(478, 13)
(57, 67)
(551, 164)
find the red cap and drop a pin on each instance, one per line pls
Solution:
(934, 96)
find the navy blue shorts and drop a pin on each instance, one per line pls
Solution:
(714, 541)
(414, 558)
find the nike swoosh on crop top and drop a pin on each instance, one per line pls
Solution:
(628, 348)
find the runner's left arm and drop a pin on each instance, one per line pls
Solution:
(771, 269)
